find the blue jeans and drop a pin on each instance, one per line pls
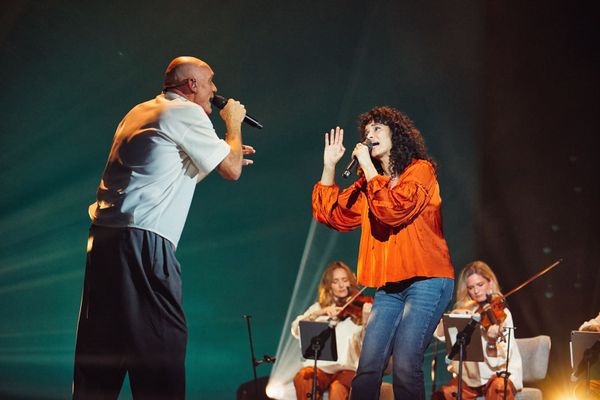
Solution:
(401, 325)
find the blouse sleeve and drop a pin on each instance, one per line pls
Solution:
(296, 323)
(407, 199)
(340, 211)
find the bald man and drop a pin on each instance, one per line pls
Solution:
(131, 318)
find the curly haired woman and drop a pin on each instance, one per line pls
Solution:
(396, 202)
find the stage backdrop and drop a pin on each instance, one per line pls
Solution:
(73, 69)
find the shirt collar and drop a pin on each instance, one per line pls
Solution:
(172, 96)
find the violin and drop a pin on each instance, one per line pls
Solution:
(492, 310)
(352, 307)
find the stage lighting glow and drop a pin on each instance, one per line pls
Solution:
(275, 390)
(318, 249)
(561, 394)
(90, 243)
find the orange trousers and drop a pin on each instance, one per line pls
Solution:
(581, 392)
(492, 390)
(338, 384)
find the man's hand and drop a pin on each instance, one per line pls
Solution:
(233, 113)
(247, 150)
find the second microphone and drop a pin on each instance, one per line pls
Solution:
(354, 162)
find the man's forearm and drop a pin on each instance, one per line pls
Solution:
(231, 167)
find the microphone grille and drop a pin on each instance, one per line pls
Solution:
(218, 101)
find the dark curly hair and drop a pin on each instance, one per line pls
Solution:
(407, 142)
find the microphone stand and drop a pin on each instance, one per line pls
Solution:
(316, 348)
(463, 338)
(255, 362)
(316, 344)
(505, 374)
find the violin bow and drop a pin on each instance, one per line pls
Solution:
(351, 299)
(534, 277)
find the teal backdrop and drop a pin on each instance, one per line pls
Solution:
(72, 70)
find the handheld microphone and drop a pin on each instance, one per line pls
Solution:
(220, 101)
(354, 162)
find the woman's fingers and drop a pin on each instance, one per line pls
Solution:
(335, 137)
(339, 133)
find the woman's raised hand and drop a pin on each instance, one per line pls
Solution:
(334, 147)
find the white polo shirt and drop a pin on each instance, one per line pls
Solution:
(161, 149)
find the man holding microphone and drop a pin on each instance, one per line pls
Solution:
(131, 318)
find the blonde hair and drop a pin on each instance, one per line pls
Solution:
(325, 295)
(463, 300)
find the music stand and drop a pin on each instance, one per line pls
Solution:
(317, 340)
(585, 351)
(463, 341)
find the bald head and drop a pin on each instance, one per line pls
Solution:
(182, 68)
(191, 78)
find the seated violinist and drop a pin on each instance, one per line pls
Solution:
(477, 287)
(337, 286)
(584, 389)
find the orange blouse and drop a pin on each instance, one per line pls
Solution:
(401, 226)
